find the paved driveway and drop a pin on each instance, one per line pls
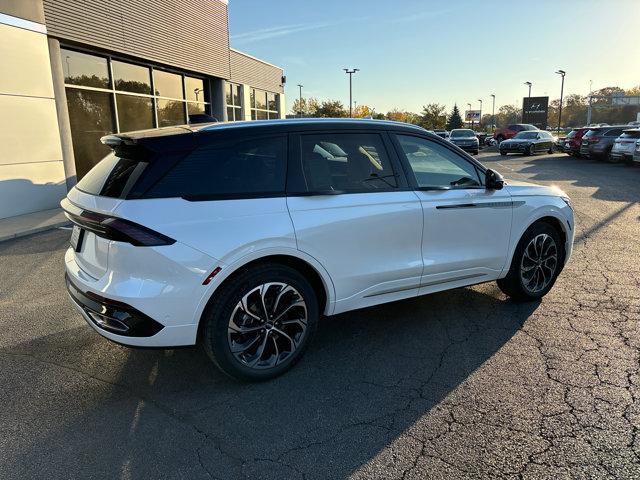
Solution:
(453, 385)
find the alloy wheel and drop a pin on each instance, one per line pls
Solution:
(267, 325)
(539, 263)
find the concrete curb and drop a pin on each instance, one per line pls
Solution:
(23, 225)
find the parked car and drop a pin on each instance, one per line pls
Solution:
(528, 143)
(573, 141)
(624, 146)
(598, 142)
(465, 139)
(442, 133)
(636, 153)
(502, 134)
(238, 236)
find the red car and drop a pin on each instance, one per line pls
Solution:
(573, 141)
(510, 131)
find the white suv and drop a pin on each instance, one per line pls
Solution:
(239, 236)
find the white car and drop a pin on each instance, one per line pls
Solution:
(239, 236)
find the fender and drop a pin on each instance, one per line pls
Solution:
(227, 269)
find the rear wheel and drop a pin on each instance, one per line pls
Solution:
(536, 264)
(530, 150)
(261, 322)
(503, 154)
(550, 151)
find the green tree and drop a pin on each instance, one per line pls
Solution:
(308, 107)
(433, 116)
(398, 115)
(455, 120)
(332, 109)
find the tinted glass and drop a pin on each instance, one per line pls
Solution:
(229, 94)
(630, 135)
(271, 101)
(616, 132)
(194, 88)
(260, 99)
(112, 176)
(85, 70)
(346, 162)
(572, 133)
(237, 99)
(195, 108)
(131, 78)
(591, 133)
(170, 112)
(91, 117)
(527, 135)
(435, 166)
(134, 113)
(233, 169)
(462, 133)
(167, 84)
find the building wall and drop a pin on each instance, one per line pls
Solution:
(187, 34)
(32, 174)
(248, 70)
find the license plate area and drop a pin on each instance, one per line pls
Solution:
(77, 235)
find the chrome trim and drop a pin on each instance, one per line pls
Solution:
(463, 277)
(393, 290)
(481, 205)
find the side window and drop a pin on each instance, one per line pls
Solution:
(515, 128)
(348, 162)
(232, 169)
(435, 166)
(616, 132)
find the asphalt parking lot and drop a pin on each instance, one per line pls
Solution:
(461, 384)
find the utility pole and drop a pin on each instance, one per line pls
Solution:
(351, 72)
(480, 120)
(493, 113)
(469, 105)
(300, 101)
(562, 73)
(529, 83)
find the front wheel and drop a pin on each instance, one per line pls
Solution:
(536, 264)
(529, 151)
(261, 322)
(504, 154)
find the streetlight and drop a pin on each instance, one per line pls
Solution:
(300, 101)
(197, 92)
(480, 120)
(351, 72)
(529, 83)
(493, 113)
(562, 73)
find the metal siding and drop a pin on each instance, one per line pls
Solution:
(187, 34)
(248, 70)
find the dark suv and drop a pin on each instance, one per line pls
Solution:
(598, 141)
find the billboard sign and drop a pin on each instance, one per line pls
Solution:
(622, 100)
(472, 116)
(535, 110)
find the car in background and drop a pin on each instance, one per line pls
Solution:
(511, 131)
(466, 139)
(624, 146)
(636, 153)
(528, 143)
(572, 142)
(442, 133)
(598, 141)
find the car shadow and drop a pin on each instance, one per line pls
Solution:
(109, 411)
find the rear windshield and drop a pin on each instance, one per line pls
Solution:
(631, 134)
(113, 176)
(590, 133)
(462, 133)
(526, 126)
(572, 133)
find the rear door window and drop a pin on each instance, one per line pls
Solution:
(616, 132)
(114, 176)
(231, 169)
(346, 162)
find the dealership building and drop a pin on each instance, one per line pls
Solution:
(72, 71)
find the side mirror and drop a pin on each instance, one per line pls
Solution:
(493, 180)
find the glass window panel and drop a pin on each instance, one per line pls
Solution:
(254, 115)
(134, 113)
(237, 99)
(131, 78)
(82, 69)
(194, 88)
(170, 112)
(229, 94)
(261, 115)
(261, 98)
(195, 108)
(253, 98)
(271, 101)
(230, 114)
(167, 84)
(91, 117)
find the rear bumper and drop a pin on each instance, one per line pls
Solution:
(622, 155)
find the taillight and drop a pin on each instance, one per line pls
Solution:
(118, 229)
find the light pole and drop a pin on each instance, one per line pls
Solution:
(480, 120)
(469, 105)
(529, 83)
(197, 92)
(300, 101)
(493, 113)
(351, 72)
(562, 73)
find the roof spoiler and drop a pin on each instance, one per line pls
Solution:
(117, 140)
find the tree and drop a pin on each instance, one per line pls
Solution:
(433, 116)
(307, 107)
(455, 120)
(398, 115)
(362, 111)
(331, 108)
(508, 114)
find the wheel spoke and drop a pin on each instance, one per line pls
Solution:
(298, 303)
(293, 343)
(237, 348)
(285, 289)
(245, 306)
(260, 350)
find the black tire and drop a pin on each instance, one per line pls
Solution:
(500, 139)
(529, 151)
(513, 284)
(550, 151)
(503, 154)
(217, 317)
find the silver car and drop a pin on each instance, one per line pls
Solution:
(625, 145)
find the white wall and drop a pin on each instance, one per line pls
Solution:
(32, 175)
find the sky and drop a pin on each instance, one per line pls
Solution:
(411, 53)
